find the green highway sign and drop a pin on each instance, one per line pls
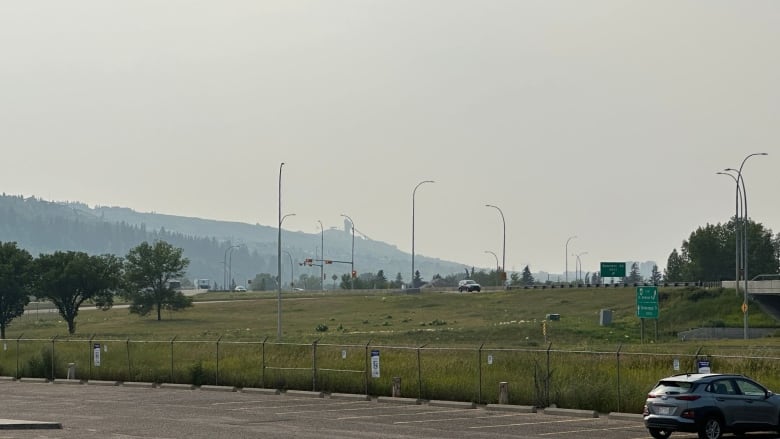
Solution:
(647, 302)
(613, 269)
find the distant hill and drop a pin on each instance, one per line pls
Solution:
(42, 226)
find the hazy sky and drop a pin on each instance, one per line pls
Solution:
(601, 119)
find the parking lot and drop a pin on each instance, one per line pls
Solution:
(108, 411)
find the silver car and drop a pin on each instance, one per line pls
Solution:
(710, 404)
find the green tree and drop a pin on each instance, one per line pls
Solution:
(514, 279)
(675, 267)
(148, 270)
(15, 281)
(380, 280)
(417, 281)
(595, 279)
(69, 279)
(527, 279)
(655, 275)
(634, 277)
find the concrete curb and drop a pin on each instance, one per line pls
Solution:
(511, 408)
(571, 412)
(453, 404)
(350, 396)
(303, 393)
(176, 386)
(259, 390)
(137, 384)
(626, 416)
(102, 383)
(2, 378)
(218, 388)
(68, 382)
(390, 399)
(12, 424)
(34, 380)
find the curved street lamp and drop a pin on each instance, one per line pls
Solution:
(566, 269)
(230, 263)
(578, 267)
(414, 192)
(737, 210)
(494, 255)
(503, 251)
(352, 260)
(224, 266)
(740, 179)
(279, 262)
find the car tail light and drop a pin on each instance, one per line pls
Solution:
(645, 411)
(688, 397)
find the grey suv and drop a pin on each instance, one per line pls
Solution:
(710, 404)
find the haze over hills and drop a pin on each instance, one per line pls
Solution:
(42, 226)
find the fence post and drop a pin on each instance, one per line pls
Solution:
(17, 355)
(617, 354)
(129, 370)
(419, 372)
(89, 357)
(365, 369)
(479, 367)
(262, 365)
(52, 356)
(547, 378)
(503, 392)
(314, 365)
(172, 340)
(216, 380)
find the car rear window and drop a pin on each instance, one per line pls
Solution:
(673, 387)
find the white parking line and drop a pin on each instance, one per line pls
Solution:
(628, 427)
(406, 414)
(534, 423)
(459, 419)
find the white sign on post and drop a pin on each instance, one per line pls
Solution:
(490, 359)
(375, 363)
(96, 354)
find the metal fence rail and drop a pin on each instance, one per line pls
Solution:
(615, 380)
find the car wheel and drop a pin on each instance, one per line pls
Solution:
(711, 429)
(659, 433)
(478, 290)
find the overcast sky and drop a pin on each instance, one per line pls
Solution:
(607, 120)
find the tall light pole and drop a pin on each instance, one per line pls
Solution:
(737, 207)
(494, 255)
(503, 251)
(741, 179)
(352, 260)
(292, 268)
(322, 263)
(566, 270)
(578, 269)
(230, 263)
(224, 267)
(279, 264)
(414, 192)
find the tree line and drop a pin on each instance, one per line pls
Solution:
(147, 277)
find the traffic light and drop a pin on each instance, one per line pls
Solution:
(328, 261)
(307, 261)
(354, 274)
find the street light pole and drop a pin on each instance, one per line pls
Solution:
(322, 248)
(578, 268)
(230, 263)
(503, 251)
(566, 270)
(414, 192)
(292, 268)
(738, 205)
(279, 263)
(352, 260)
(744, 237)
(224, 268)
(494, 255)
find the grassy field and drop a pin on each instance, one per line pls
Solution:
(501, 319)
(444, 345)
